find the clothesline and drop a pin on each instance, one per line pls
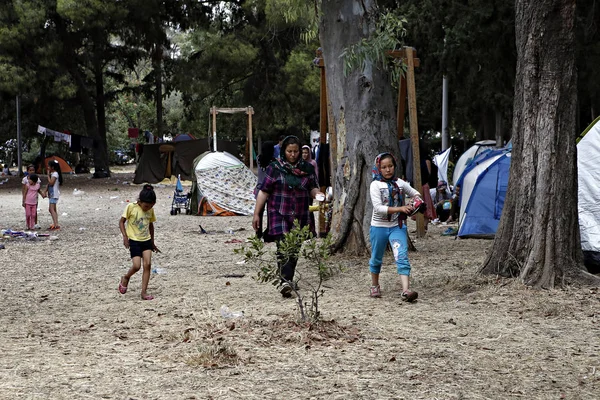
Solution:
(58, 136)
(77, 143)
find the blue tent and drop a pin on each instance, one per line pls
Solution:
(483, 187)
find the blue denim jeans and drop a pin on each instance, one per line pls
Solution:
(398, 239)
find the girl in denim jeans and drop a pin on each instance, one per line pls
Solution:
(387, 195)
(55, 179)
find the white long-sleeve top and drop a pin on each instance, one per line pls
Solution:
(381, 202)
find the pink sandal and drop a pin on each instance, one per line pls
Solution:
(122, 289)
(375, 291)
(148, 297)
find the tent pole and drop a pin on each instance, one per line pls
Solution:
(19, 147)
(214, 126)
(250, 112)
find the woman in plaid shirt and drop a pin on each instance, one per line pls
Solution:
(289, 186)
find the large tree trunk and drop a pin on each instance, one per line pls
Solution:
(364, 118)
(158, 95)
(538, 237)
(86, 101)
(101, 154)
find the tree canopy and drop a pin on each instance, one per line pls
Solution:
(95, 67)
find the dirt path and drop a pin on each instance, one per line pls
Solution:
(68, 334)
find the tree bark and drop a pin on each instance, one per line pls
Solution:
(158, 95)
(364, 119)
(69, 57)
(538, 237)
(101, 150)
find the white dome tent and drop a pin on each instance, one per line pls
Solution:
(222, 185)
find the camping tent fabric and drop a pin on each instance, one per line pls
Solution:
(65, 168)
(216, 159)
(222, 186)
(588, 170)
(152, 165)
(182, 137)
(468, 156)
(483, 191)
(441, 160)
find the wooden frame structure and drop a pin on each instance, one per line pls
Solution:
(323, 124)
(249, 146)
(406, 89)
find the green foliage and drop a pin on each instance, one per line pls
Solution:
(388, 34)
(299, 242)
(301, 14)
(453, 38)
(246, 60)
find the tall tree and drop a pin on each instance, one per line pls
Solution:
(248, 55)
(364, 116)
(538, 237)
(452, 38)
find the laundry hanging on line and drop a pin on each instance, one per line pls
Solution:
(58, 136)
(77, 143)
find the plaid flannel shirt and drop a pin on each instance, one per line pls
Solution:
(285, 203)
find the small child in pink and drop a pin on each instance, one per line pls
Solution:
(30, 200)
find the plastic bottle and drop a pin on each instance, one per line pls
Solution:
(225, 313)
(159, 271)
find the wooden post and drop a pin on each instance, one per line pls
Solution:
(414, 131)
(323, 131)
(401, 107)
(407, 88)
(250, 112)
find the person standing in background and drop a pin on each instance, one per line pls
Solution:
(24, 186)
(277, 147)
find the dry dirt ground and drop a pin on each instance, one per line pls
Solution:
(67, 333)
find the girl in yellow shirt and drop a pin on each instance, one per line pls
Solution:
(138, 237)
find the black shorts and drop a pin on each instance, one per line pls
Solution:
(136, 249)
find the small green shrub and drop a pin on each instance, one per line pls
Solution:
(299, 242)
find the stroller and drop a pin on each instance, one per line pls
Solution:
(181, 201)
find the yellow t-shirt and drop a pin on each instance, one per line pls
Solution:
(138, 222)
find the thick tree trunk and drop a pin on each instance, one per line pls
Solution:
(101, 154)
(86, 101)
(538, 237)
(158, 89)
(364, 118)
(499, 136)
(486, 129)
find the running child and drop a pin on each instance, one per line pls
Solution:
(387, 195)
(138, 237)
(55, 179)
(30, 200)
